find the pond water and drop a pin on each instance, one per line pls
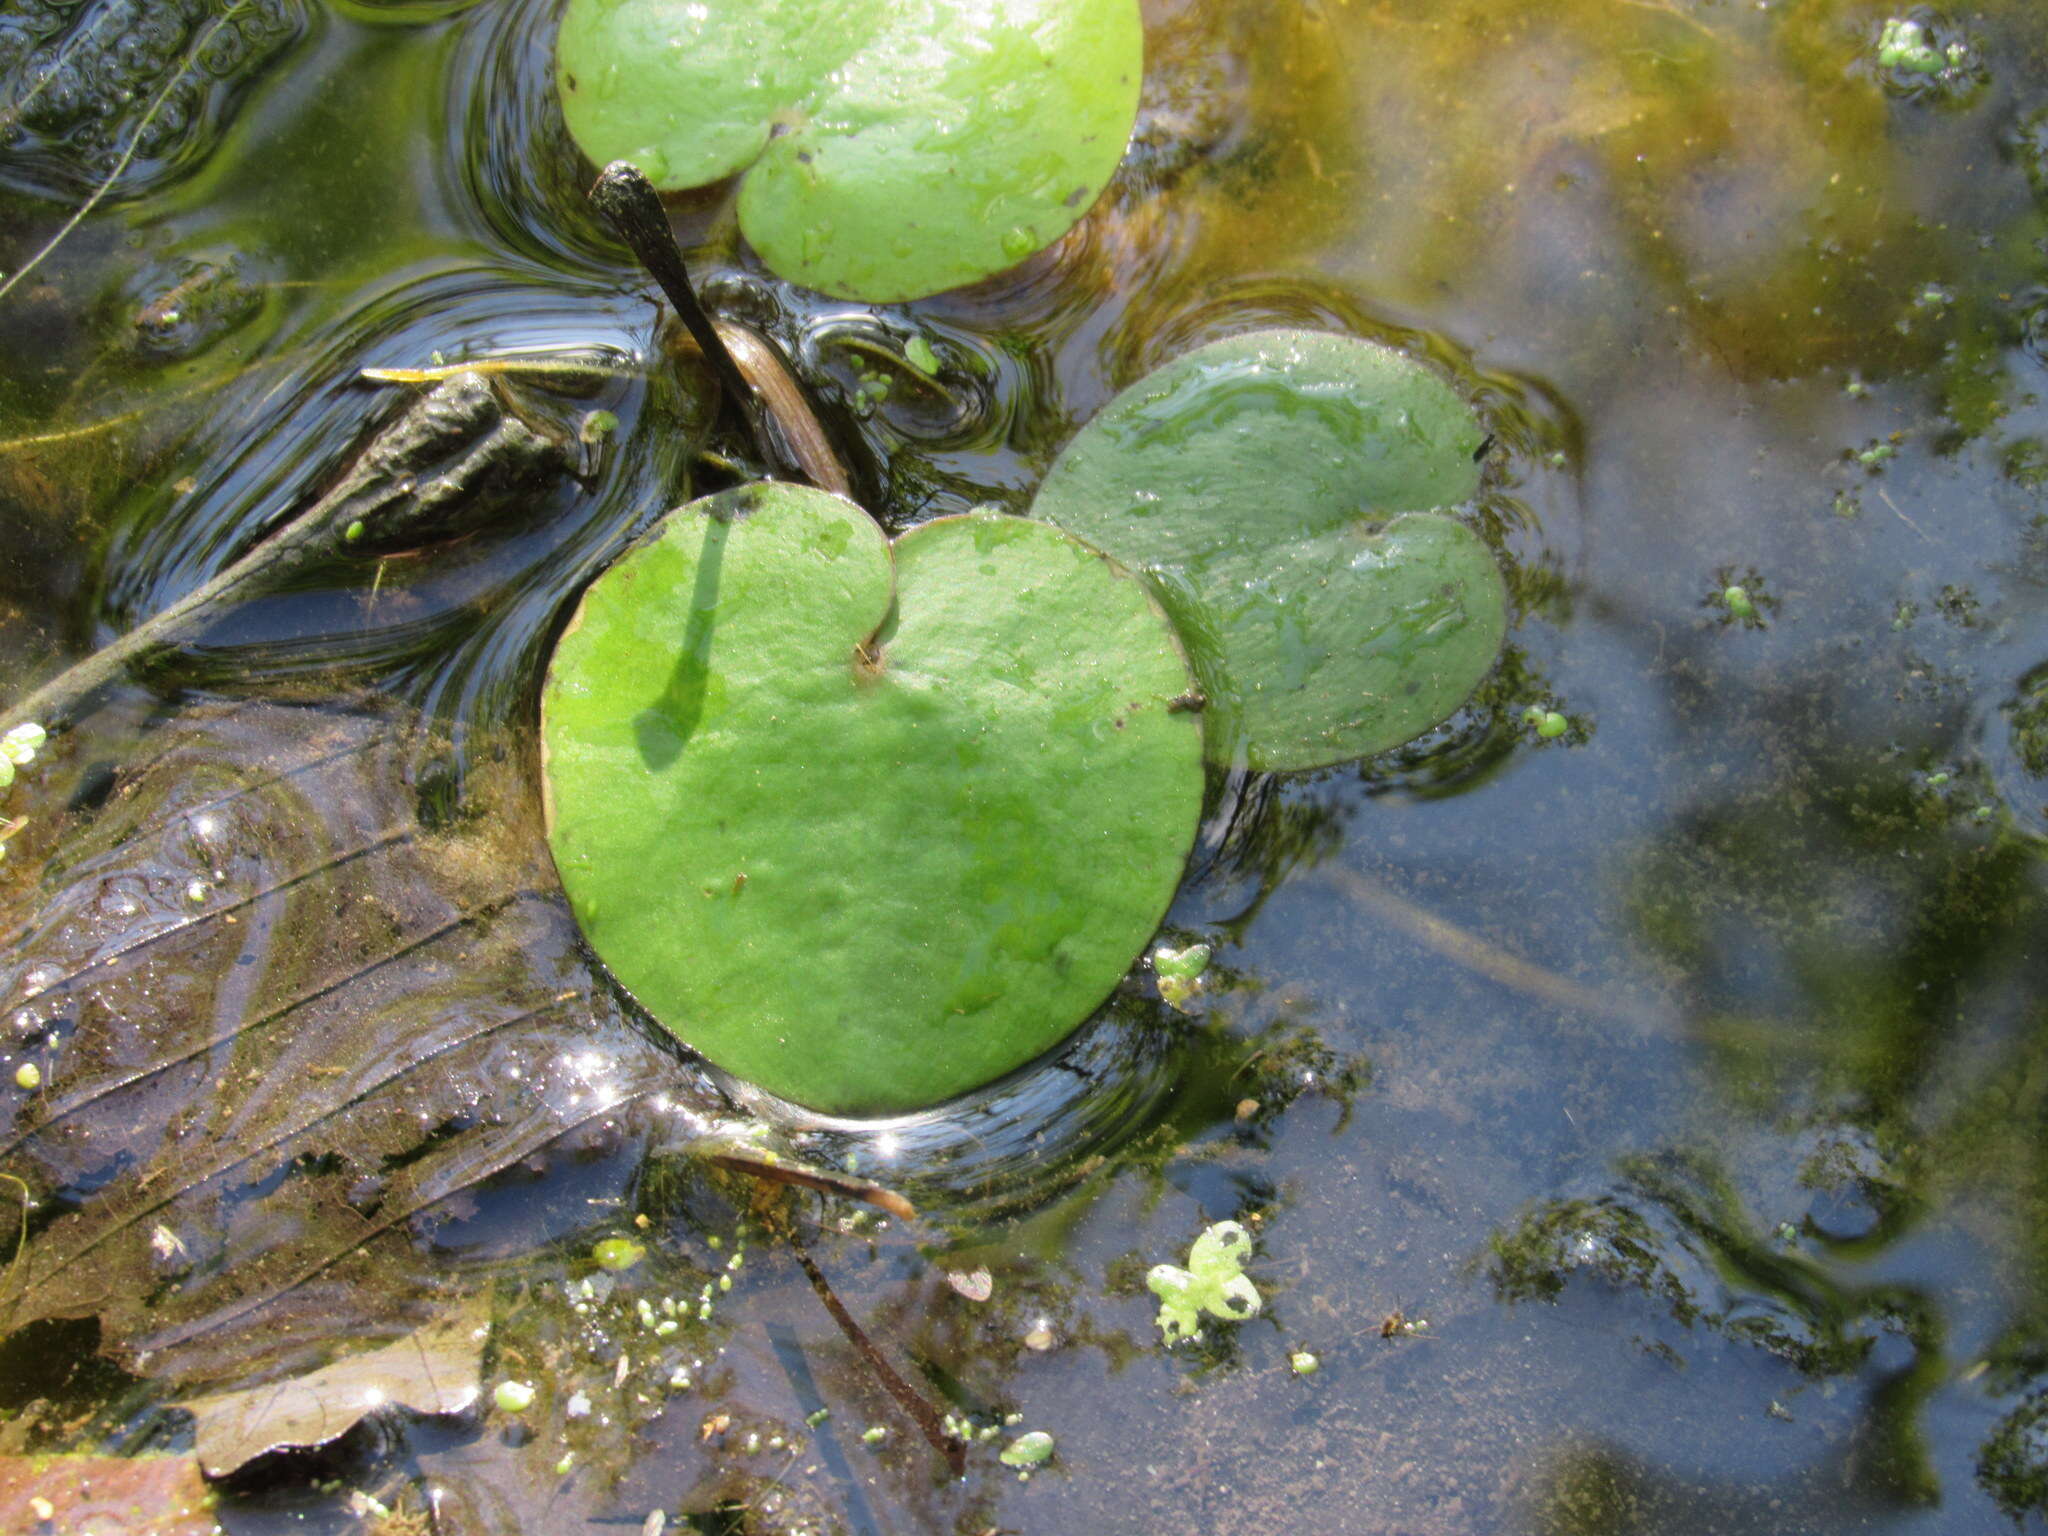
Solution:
(1645, 1128)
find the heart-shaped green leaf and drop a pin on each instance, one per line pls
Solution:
(893, 148)
(867, 842)
(1258, 481)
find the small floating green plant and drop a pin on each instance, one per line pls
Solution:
(618, 1253)
(1904, 44)
(1179, 973)
(1031, 1449)
(1214, 1284)
(18, 748)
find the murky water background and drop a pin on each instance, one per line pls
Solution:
(1647, 1129)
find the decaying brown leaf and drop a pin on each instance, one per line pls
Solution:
(287, 1037)
(107, 1495)
(435, 1372)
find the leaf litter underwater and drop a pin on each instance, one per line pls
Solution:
(1639, 1120)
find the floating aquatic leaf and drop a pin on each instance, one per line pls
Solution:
(616, 1253)
(892, 148)
(1261, 483)
(867, 841)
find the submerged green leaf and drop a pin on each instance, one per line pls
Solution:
(893, 148)
(868, 839)
(1260, 482)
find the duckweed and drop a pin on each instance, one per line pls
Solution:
(618, 1253)
(1028, 1450)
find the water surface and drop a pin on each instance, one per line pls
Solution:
(1644, 1128)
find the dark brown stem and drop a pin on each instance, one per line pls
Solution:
(906, 1395)
(626, 198)
(823, 1180)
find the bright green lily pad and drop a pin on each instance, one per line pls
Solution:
(893, 148)
(1261, 483)
(867, 826)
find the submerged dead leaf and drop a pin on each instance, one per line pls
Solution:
(975, 1285)
(433, 1372)
(107, 1495)
(291, 1039)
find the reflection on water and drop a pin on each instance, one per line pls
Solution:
(1681, 1076)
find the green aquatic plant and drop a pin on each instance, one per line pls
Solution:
(1030, 1449)
(976, 724)
(1279, 491)
(1214, 1283)
(18, 748)
(888, 149)
(1179, 972)
(1903, 45)
(618, 1253)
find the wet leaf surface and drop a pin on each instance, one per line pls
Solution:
(1259, 483)
(891, 148)
(870, 825)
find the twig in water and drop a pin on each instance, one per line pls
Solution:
(449, 457)
(823, 1180)
(1885, 496)
(1473, 952)
(907, 1398)
(557, 367)
(751, 375)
